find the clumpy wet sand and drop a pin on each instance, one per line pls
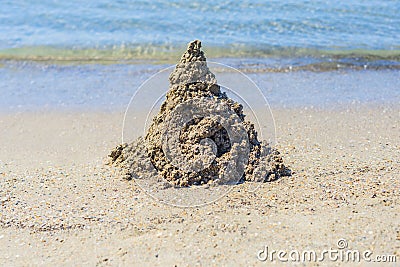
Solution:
(61, 205)
(197, 110)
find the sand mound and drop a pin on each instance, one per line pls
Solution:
(199, 135)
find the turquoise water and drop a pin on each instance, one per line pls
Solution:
(122, 29)
(289, 48)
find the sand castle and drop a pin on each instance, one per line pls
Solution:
(200, 135)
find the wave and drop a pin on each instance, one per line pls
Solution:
(252, 59)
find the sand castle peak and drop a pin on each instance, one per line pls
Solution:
(193, 53)
(192, 74)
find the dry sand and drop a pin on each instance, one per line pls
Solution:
(61, 205)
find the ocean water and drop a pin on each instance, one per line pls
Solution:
(95, 54)
(31, 86)
(349, 31)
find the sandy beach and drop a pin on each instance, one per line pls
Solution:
(60, 203)
(199, 133)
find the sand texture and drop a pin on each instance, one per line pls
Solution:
(60, 204)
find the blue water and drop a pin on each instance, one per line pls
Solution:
(291, 49)
(351, 24)
(31, 86)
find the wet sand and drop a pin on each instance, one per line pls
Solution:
(60, 204)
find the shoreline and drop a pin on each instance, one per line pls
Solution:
(247, 64)
(34, 87)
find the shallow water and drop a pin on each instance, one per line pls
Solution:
(116, 30)
(74, 54)
(350, 24)
(31, 86)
